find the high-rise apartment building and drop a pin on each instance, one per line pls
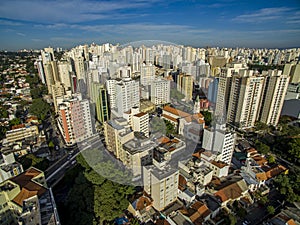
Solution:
(160, 91)
(147, 74)
(111, 91)
(224, 86)
(161, 184)
(57, 90)
(272, 100)
(127, 95)
(74, 120)
(117, 131)
(221, 141)
(295, 74)
(138, 152)
(79, 67)
(140, 123)
(185, 85)
(100, 99)
(64, 72)
(244, 100)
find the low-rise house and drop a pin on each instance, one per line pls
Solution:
(235, 191)
(142, 208)
(9, 167)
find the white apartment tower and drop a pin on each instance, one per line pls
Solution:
(160, 91)
(140, 123)
(111, 91)
(147, 74)
(220, 141)
(127, 95)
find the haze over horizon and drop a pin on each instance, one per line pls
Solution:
(33, 24)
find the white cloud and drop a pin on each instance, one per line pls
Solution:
(21, 34)
(263, 15)
(9, 23)
(72, 11)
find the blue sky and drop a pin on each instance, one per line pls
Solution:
(224, 23)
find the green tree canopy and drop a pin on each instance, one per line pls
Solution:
(270, 209)
(3, 113)
(207, 117)
(40, 108)
(15, 121)
(94, 199)
(261, 147)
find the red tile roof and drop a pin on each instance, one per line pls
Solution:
(28, 187)
(169, 118)
(176, 112)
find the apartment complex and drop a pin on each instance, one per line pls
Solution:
(22, 132)
(74, 119)
(161, 184)
(185, 85)
(220, 141)
(160, 91)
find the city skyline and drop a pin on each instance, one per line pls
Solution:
(37, 24)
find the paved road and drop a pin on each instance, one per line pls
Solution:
(57, 171)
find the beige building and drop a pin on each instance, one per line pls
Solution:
(138, 152)
(185, 85)
(272, 101)
(223, 92)
(58, 90)
(22, 132)
(25, 198)
(161, 184)
(295, 74)
(244, 100)
(64, 70)
(112, 129)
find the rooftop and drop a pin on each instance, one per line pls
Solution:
(28, 187)
(232, 191)
(176, 112)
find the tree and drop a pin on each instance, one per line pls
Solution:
(40, 108)
(271, 159)
(232, 219)
(261, 147)
(288, 186)
(94, 199)
(3, 113)
(51, 145)
(294, 148)
(15, 121)
(207, 117)
(31, 160)
(260, 126)
(175, 94)
(3, 130)
(170, 128)
(270, 209)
